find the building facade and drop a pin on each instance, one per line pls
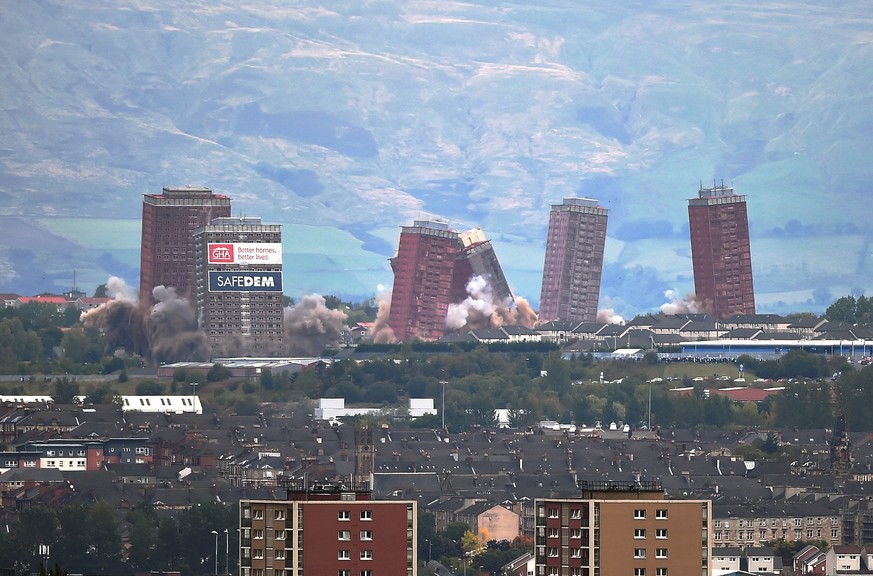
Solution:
(720, 251)
(477, 258)
(747, 526)
(238, 285)
(574, 261)
(622, 528)
(328, 529)
(432, 268)
(168, 221)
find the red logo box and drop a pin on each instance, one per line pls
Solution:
(221, 254)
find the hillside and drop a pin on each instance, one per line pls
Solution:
(345, 120)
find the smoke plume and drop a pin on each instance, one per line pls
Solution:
(690, 305)
(166, 333)
(175, 334)
(310, 326)
(480, 310)
(382, 332)
(608, 316)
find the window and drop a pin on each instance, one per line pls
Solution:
(344, 535)
(575, 552)
(344, 515)
(661, 514)
(366, 554)
(366, 514)
(717, 523)
(660, 572)
(366, 573)
(639, 533)
(280, 554)
(343, 555)
(553, 532)
(278, 514)
(716, 535)
(553, 552)
(257, 553)
(553, 512)
(639, 572)
(660, 552)
(639, 514)
(280, 534)
(661, 533)
(575, 513)
(344, 573)
(639, 552)
(366, 534)
(258, 514)
(575, 533)
(258, 534)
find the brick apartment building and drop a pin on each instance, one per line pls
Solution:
(328, 529)
(720, 251)
(574, 261)
(622, 528)
(168, 222)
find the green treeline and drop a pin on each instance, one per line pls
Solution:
(87, 539)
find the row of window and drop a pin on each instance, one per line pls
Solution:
(61, 453)
(575, 533)
(555, 571)
(640, 533)
(258, 534)
(70, 464)
(641, 553)
(818, 520)
(349, 573)
(344, 535)
(258, 554)
(763, 534)
(347, 515)
(660, 514)
(258, 514)
(347, 555)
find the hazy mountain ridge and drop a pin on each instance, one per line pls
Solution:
(366, 115)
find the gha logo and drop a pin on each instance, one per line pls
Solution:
(221, 253)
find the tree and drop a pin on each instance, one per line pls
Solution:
(217, 373)
(266, 379)
(149, 388)
(78, 347)
(842, 310)
(102, 394)
(100, 291)
(66, 390)
(143, 537)
(557, 376)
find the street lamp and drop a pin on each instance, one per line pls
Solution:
(443, 411)
(216, 552)
(226, 551)
(429, 545)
